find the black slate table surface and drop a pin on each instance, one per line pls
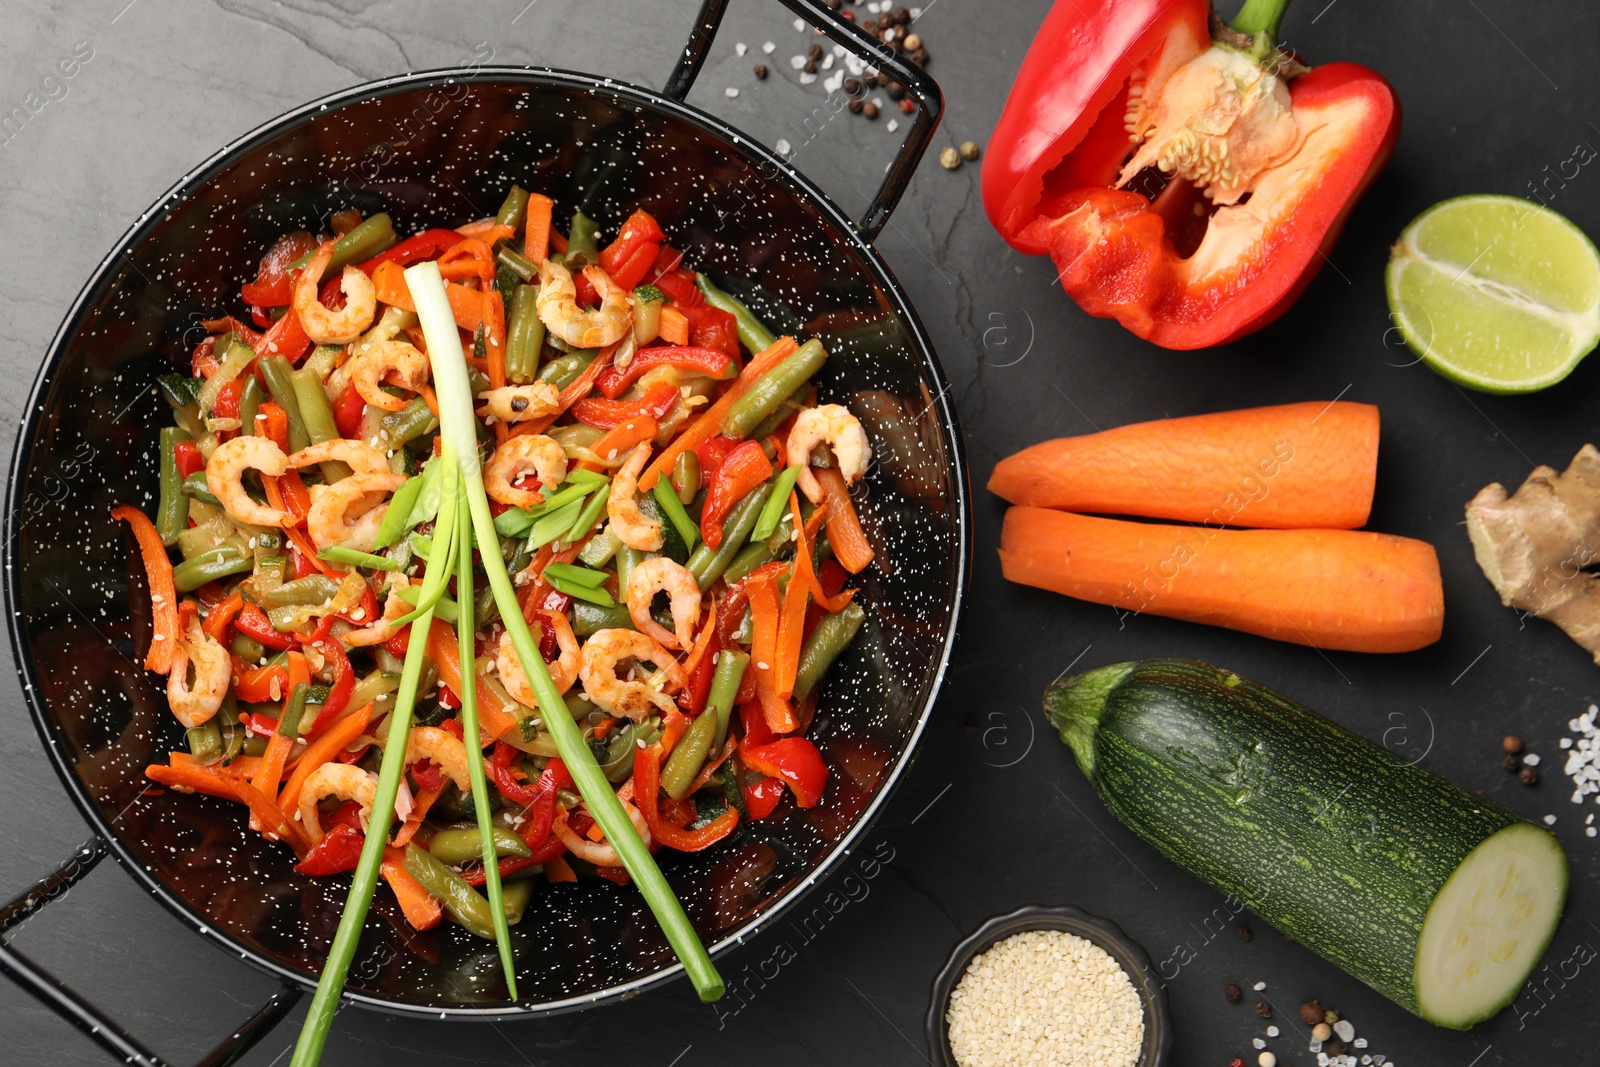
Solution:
(1499, 97)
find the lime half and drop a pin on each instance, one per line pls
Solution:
(1495, 292)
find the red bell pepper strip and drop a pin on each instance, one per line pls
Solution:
(227, 402)
(793, 760)
(640, 229)
(631, 271)
(273, 286)
(507, 776)
(541, 812)
(761, 796)
(253, 623)
(741, 471)
(286, 338)
(609, 414)
(616, 380)
(348, 410)
(646, 790)
(1164, 242)
(714, 328)
(344, 683)
(256, 685)
(190, 461)
(339, 851)
(426, 245)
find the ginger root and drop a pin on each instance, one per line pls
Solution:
(1533, 546)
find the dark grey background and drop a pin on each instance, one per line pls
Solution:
(994, 814)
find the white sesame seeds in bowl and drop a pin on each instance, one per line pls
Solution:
(1048, 985)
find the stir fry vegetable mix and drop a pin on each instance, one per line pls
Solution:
(676, 559)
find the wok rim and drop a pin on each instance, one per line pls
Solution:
(618, 92)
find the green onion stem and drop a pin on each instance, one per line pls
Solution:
(457, 426)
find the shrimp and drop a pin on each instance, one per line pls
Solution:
(194, 703)
(444, 749)
(632, 526)
(608, 649)
(399, 361)
(518, 403)
(343, 780)
(564, 671)
(324, 325)
(842, 431)
(384, 629)
(362, 457)
(226, 467)
(532, 453)
(557, 305)
(599, 853)
(651, 577)
(349, 511)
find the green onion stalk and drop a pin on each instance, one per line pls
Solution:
(458, 428)
(325, 1002)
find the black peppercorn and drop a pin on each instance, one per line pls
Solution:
(855, 105)
(852, 86)
(761, 71)
(1529, 776)
(869, 109)
(920, 57)
(1263, 1009)
(901, 16)
(815, 51)
(1233, 993)
(1511, 763)
(810, 66)
(896, 90)
(1244, 933)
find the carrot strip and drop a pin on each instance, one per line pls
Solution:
(195, 778)
(421, 801)
(274, 425)
(712, 764)
(216, 624)
(674, 326)
(764, 617)
(580, 388)
(673, 725)
(421, 908)
(487, 230)
(1341, 589)
(471, 258)
(1291, 466)
(536, 243)
(709, 424)
(804, 567)
(702, 642)
(324, 747)
(844, 526)
(389, 285)
(620, 439)
(270, 774)
(163, 593)
(559, 870)
(445, 652)
(495, 340)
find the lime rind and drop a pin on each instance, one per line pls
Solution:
(1518, 314)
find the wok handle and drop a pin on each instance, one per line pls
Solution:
(94, 1023)
(923, 89)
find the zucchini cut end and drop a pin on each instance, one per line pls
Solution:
(1488, 926)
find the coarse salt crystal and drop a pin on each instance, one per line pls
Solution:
(1345, 1029)
(1258, 1042)
(1531, 759)
(1272, 1031)
(797, 62)
(741, 48)
(769, 48)
(782, 147)
(892, 125)
(807, 79)
(1259, 986)
(730, 92)
(799, 25)
(827, 63)
(1549, 820)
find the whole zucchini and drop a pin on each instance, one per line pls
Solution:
(1436, 898)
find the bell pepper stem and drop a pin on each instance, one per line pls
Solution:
(1260, 16)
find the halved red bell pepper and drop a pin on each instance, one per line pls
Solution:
(426, 245)
(609, 414)
(794, 761)
(190, 460)
(761, 796)
(625, 259)
(253, 623)
(614, 380)
(1187, 177)
(741, 471)
(273, 287)
(646, 786)
(348, 410)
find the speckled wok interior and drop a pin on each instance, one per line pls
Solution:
(441, 150)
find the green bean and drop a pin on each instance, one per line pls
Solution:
(786, 407)
(312, 589)
(465, 844)
(465, 903)
(276, 372)
(564, 370)
(707, 564)
(513, 209)
(323, 359)
(524, 336)
(775, 386)
(196, 486)
(618, 761)
(724, 690)
(289, 721)
(205, 742)
(831, 637)
(582, 242)
(365, 241)
(400, 428)
(247, 648)
(686, 476)
(753, 333)
(777, 506)
(688, 756)
(172, 513)
(589, 619)
(250, 406)
(317, 414)
(210, 565)
(484, 608)
(233, 735)
(515, 895)
(749, 558)
(524, 268)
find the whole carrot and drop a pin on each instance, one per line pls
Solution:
(1336, 589)
(1308, 465)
